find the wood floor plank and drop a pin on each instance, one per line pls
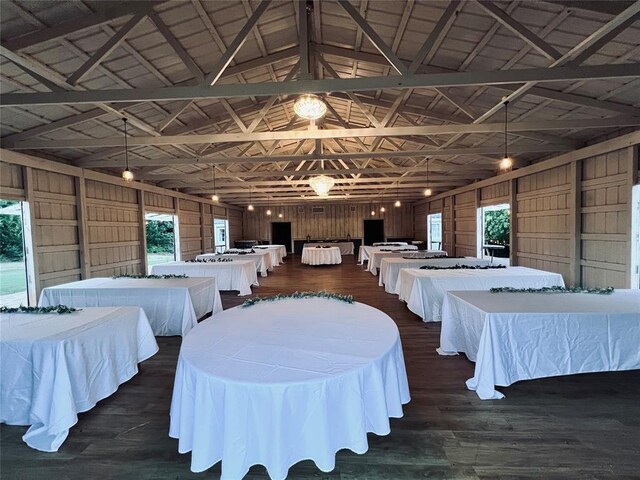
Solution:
(573, 427)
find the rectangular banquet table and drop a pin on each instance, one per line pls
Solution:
(53, 366)
(234, 275)
(262, 258)
(284, 381)
(172, 305)
(365, 251)
(375, 259)
(277, 252)
(390, 244)
(522, 336)
(321, 255)
(424, 290)
(390, 267)
(346, 248)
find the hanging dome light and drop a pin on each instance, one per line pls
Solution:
(506, 163)
(373, 212)
(215, 197)
(250, 208)
(321, 184)
(280, 215)
(397, 204)
(427, 192)
(382, 209)
(127, 175)
(268, 212)
(310, 107)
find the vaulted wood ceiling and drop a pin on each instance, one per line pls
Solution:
(410, 86)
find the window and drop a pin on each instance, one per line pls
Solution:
(16, 255)
(635, 237)
(493, 233)
(162, 238)
(220, 235)
(434, 231)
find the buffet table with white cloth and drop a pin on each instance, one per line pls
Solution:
(522, 336)
(172, 305)
(234, 275)
(262, 258)
(321, 255)
(390, 244)
(390, 267)
(375, 259)
(424, 290)
(54, 366)
(284, 381)
(278, 252)
(365, 251)
(346, 248)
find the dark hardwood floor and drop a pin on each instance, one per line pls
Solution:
(577, 427)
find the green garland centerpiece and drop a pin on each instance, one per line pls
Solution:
(153, 277)
(463, 267)
(211, 260)
(435, 257)
(59, 309)
(597, 291)
(297, 296)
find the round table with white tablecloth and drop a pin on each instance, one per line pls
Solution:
(321, 256)
(283, 381)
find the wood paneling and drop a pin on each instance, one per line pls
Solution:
(190, 227)
(494, 194)
(11, 182)
(330, 221)
(464, 222)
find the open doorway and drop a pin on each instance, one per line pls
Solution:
(373, 231)
(434, 231)
(635, 237)
(493, 233)
(220, 235)
(162, 238)
(16, 260)
(281, 234)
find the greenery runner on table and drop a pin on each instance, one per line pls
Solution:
(463, 267)
(59, 309)
(599, 291)
(299, 295)
(154, 277)
(211, 260)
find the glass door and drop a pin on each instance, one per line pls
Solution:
(16, 285)
(220, 235)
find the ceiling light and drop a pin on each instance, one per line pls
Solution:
(214, 197)
(127, 175)
(382, 209)
(268, 212)
(397, 203)
(310, 107)
(280, 215)
(427, 192)
(506, 163)
(250, 208)
(321, 184)
(373, 212)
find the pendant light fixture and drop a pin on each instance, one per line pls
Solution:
(214, 197)
(427, 191)
(397, 204)
(127, 175)
(506, 163)
(382, 209)
(250, 206)
(280, 215)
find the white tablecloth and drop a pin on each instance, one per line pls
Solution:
(390, 268)
(424, 290)
(346, 248)
(365, 251)
(321, 256)
(375, 259)
(520, 336)
(278, 252)
(389, 244)
(56, 366)
(262, 259)
(284, 381)
(173, 305)
(235, 275)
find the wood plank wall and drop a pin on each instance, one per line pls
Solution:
(334, 222)
(570, 215)
(86, 224)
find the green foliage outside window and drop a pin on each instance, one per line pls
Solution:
(10, 235)
(496, 230)
(159, 237)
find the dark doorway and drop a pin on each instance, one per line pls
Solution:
(281, 234)
(373, 231)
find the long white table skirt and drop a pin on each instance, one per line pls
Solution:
(280, 382)
(520, 336)
(346, 248)
(390, 268)
(365, 251)
(277, 252)
(53, 367)
(261, 258)
(321, 256)
(235, 275)
(375, 259)
(424, 290)
(173, 305)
